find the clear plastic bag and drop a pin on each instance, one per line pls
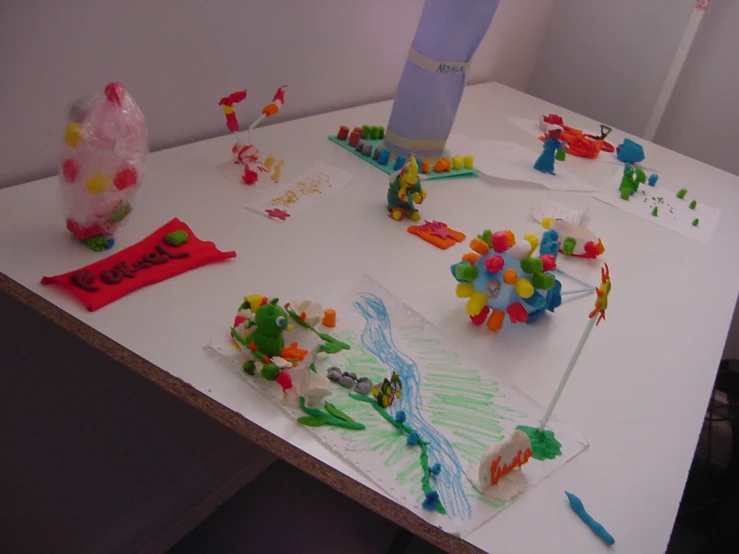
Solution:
(101, 164)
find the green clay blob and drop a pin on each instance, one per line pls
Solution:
(177, 238)
(332, 416)
(424, 458)
(544, 446)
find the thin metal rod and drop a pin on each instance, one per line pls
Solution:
(578, 291)
(569, 369)
(583, 283)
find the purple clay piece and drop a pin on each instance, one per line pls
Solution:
(360, 145)
(367, 149)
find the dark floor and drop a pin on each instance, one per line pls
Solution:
(259, 520)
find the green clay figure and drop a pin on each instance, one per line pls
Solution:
(270, 322)
(632, 178)
(404, 190)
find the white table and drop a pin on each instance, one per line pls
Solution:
(638, 394)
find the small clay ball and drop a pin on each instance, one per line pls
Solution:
(346, 382)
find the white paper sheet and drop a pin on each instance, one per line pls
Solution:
(531, 127)
(457, 408)
(555, 210)
(672, 212)
(510, 160)
(287, 199)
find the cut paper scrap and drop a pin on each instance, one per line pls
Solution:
(555, 210)
(672, 212)
(510, 160)
(149, 261)
(458, 408)
(287, 199)
(437, 233)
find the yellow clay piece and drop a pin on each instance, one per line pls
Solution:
(98, 183)
(469, 162)
(476, 303)
(533, 240)
(228, 110)
(465, 290)
(73, 134)
(269, 162)
(524, 288)
(547, 222)
(457, 162)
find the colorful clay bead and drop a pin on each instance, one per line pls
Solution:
(354, 137)
(73, 134)
(457, 162)
(343, 133)
(367, 149)
(381, 132)
(469, 162)
(399, 162)
(98, 183)
(384, 157)
(366, 131)
(374, 133)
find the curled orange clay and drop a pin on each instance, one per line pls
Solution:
(578, 144)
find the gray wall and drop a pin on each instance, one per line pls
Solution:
(179, 57)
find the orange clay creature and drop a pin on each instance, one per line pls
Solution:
(579, 145)
(601, 303)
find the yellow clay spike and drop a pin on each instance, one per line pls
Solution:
(476, 303)
(524, 288)
(533, 240)
(465, 290)
(547, 222)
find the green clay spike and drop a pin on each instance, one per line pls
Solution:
(681, 193)
(655, 212)
(695, 222)
(693, 204)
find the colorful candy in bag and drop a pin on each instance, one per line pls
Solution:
(101, 164)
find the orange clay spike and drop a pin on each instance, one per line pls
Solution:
(479, 246)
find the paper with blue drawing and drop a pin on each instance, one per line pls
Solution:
(459, 409)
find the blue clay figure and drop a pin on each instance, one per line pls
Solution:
(630, 152)
(552, 145)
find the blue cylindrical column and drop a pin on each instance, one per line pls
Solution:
(434, 75)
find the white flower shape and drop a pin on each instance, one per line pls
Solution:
(281, 363)
(310, 312)
(311, 386)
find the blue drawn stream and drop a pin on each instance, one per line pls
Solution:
(377, 338)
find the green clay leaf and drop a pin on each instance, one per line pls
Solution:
(334, 411)
(544, 445)
(313, 421)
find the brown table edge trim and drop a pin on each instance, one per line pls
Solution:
(246, 428)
